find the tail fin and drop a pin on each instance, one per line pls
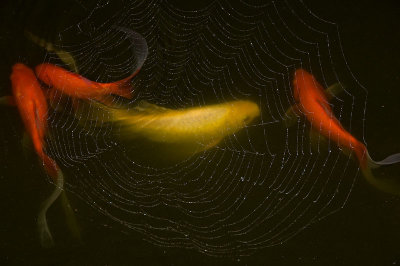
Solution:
(140, 51)
(70, 217)
(45, 236)
(122, 88)
(389, 185)
(392, 159)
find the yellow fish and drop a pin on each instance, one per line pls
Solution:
(201, 128)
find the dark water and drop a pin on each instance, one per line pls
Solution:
(365, 232)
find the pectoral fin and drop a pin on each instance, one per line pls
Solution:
(292, 115)
(7, 100)
(64, 56)
(334, 90)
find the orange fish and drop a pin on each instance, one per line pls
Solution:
(313, 103)
(31, 103)
(77, 86)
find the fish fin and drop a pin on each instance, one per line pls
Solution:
(392, 159)
(45, 236)
(388, 185)
(7, 100)
(70, 217)
(334, 90)
(64, 56)
(292, 115)
(49, 165)
(121, 88)
(67, 59)
(39, 41)
(140, 50)
(149, 108)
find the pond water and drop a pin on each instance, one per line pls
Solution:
(230, 204)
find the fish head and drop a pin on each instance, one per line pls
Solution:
(42, 71)
(20, 72)
(245, 111)
(305, 86)
(19, 67)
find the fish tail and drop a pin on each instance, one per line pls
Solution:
(49, 165)
(122, 87)
(45, 236)
(388, 185)
(71, 221)
(391, 159)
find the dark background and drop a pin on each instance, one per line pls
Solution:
(365, 232)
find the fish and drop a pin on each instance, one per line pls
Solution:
(312, 102)
(29, 98)
(32, 106)
(77, 86)
(199, 127)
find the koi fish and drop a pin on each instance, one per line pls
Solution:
(77, 86)
(199, 127)
(32, 106)
(312, 102)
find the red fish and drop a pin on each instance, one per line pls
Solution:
(80, 87)
(313, 103)
(31, 103)
(77, 86)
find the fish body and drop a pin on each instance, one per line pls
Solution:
(312, 101)
(32, 106)
(203, 126)
(77, 86)
(314, 104)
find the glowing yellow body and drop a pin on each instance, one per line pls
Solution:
(201, 126)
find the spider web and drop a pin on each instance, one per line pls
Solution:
(256, 188)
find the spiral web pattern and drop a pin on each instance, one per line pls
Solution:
(256, 188)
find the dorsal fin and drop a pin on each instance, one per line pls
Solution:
(64, 56)
(146, 107)
(333, 90)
